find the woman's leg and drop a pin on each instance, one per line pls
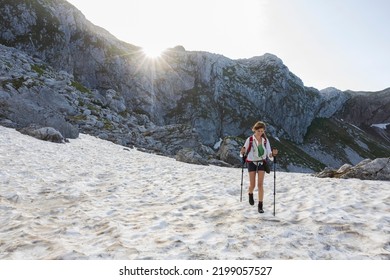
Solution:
(252, 181)
(252, 177)
(260, 181)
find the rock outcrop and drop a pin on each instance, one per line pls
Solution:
(377, 169)
(43, 133)
(230, 151)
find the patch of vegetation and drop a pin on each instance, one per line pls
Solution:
(289, 153)
(108, 125)
(38, 69)
(336, 136)
(124, 114)
(18, 82)
(77, 118)
(93, 108)
(80, 87)
(377, 150)
(81, 102)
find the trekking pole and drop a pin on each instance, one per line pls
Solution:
(242, 179)
(242, 173)
(274, 183)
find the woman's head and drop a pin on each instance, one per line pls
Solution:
(258, 125)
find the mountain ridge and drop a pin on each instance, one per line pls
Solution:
(183, 100)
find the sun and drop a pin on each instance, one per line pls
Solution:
(152, 51)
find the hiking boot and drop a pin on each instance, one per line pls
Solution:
(251, 200)
(260, 207)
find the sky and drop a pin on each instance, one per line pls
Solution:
(327, 43)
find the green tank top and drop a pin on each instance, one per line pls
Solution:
(260, 150)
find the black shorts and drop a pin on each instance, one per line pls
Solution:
(255, 165)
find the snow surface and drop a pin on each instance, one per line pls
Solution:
(92, 199)
(380, 125)
(218, 144)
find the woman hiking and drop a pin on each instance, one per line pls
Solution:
(255, 151)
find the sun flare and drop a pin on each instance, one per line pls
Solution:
(152, 51)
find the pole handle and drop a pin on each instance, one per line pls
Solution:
(273, 149)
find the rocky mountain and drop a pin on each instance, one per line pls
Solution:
(366, 109)
(59, 69)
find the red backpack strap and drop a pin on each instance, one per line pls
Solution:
(250, 144)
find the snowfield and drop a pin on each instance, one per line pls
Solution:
(92, 199)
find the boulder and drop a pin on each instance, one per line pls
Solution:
(377, 169)
(43, 133)
(229, 152)
(190, 156)
(326, 173)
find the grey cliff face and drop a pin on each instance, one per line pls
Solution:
(30, 93)
(367, 108)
